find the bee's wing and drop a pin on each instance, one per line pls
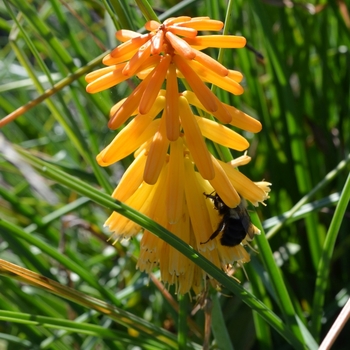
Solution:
(250, 229)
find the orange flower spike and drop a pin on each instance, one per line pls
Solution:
(128, 107)
(223, 186)
(172, 105)
(180, 46)
(195, 141)
(157, 43)
(186, 32)
(152, 25)
(125, 35)
(140, 57)
(130, 45)
(218, 41)
(204, 94)
(152, 90)
(203, 24)
(211, 64)
(156, 155)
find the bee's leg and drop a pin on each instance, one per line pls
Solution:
(220, 228)
(210, 195)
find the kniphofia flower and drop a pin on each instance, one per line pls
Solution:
(171, 148)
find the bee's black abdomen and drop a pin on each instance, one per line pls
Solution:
(233, 233)
(235, 223)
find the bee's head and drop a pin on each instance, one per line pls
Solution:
(219, 204)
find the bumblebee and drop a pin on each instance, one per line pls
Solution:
(235, 224)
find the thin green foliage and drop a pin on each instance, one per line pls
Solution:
(54, 199)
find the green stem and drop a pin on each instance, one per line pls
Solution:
(283, 299)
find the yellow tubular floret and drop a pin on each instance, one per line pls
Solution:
(206, 188)
(199, 280)
(200, 18)
(150, 63)
(186, 32)
(127, 142)
(221, 134)
(152, 90)
(172, 20)
(152, 25)
(157, 154)
(133, 135)
(118, 105)
(210, 63)
(125, 35)
(242, 120)
(208, 75)
(203, 24)
(128, 107)
(235, 117)
(157, 43)
(235, 75)
(155, 205)
(180, 46)
(221, 113)
(138, 59)
(172, 105)
(144, 73)
(223, 186)
(244, 186)
(131, 179)
(146, 145)
(175, 184)
(127, 227)
(107, 80)
(204, 94)
(264, 185)
(229, 255)
(195, 141)
(130, 45)
(108, 60)
(218, 41)
(99, 73)
(197, 208)
(242, 160)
